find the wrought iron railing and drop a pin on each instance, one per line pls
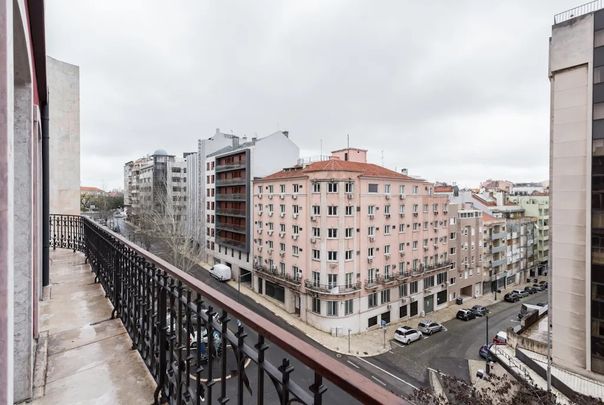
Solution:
(189, 334)
(332, 288)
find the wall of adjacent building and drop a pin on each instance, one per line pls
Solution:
(64, 132)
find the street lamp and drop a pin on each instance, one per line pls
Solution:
(488, 367)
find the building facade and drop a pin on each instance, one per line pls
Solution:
(465, 251)
(537, 206)
(349, 245)
(229, 173)
(576, 67)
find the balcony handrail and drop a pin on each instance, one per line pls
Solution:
(278, 274)
(578, 11)
(142, 287)
(328, 288)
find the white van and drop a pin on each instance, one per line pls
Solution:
(221, 272)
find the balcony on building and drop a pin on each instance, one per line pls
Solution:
(278, 277)
(331, 289)
(121, 297)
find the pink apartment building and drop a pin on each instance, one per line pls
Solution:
(347, 245)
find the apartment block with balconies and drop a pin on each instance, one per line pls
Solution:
(537, 205)
(346, 244)
(465, 251)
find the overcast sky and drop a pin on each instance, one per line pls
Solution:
(454, 91)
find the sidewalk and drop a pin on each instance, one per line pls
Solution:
(370, 343)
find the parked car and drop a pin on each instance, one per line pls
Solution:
(428, 327)
(479, 310)
(485, 352)
(538, 287)
(407, 335)
(521, 293)
(501, 338)
(511, 297)
(221, 272)
(530, 290)
(465, 314)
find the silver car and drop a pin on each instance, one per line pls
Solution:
(428, 327)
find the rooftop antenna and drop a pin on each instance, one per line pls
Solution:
(348, 141)
(382, 157)
(321, 153)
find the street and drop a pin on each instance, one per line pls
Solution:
(403, 368)
(406, 367)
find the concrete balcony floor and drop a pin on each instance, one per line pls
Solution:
(89, 355)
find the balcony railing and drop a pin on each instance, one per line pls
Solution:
(229, 182)
(498, 235)
(578, 11)
(165, 311)
(230, 166)
(332, 288)
(231, 243)
(231, 227)
(235, 212)
(279, 277)
(231, 197)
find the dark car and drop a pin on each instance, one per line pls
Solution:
(479, 310)
(485, 353)
(511, 297)
(530, 290)
(465, 314)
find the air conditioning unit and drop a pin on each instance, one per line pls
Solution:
(415, 214)
(260, 248)
(281, 196)
(270, 196)
(387, 196)
(401, 254)
(270, 232)
(349, 196)
(270, 213)
(369, 259)
(259, 196)
(270, 251)
(372, 239)
(282, 253)
(313, 218)
(387, 216)
(296, 216)
(259, 230)
(313, 240)
(282, 214)
(295, 237)
(401, 215)
(401, 197)
(295, 196)
(281, 234)
(259, 213)
(371, 216)
(387, 255)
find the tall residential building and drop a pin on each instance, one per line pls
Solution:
(348, 245)
(229, 173)
(193, 223)
(537, 205)
(576, 72)
(465, 251)
(494, 253)
(156, 183)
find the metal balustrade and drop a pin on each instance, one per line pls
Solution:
(578, 11)
(186, 331)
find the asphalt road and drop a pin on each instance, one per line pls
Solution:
(406, 367)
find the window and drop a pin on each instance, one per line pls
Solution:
(415, 189)
(348, 280)
(316, 187)
(332, 210)
(282, 247)
(332, 255)
(348, 255)
(349, 187)
(452, 281)
(332, 233)
(441, 277)
(316, 254)
(401, 247)
(372, 188)
(259, 189)
(452, 251)
(403, 290)
(452, 236)
(297, 273)
(370, 209)
(598, 74)
(387, 209)
(296, 209)
(370, 252)
(401, 209)
(348, 307)
(281, 227)
(270, 188)
(387, 188)
(387, 271)
(415, 208)
(282, 208)
(425, 243)
(316, 305)
(401, 189)
(387, 229)
(385, 296)
(332, 187)
(316, 278)
(297, 188)
(401, 228)
(332, 308)
(425, 207)
(332, 280)
(371, 230)
(370, 276)
(372, 300)
(429, 282)
(413, 288)
(349, 210)
(316, 232)
(282, 188)
(296, 229)
(316, 210)
(434, 207)
(270, 208)
(425, 225)
(387, 249)
(414, 245)
(348, 233)
(271, 226)
(295, 250)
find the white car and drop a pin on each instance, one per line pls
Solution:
(407, 335)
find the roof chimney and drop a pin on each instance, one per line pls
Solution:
(217, 131)
(235, 141)
(405, 172)
(286, 133)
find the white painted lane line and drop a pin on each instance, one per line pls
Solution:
(350, 362)
(398, 344)
(386, 372)
(378, 380)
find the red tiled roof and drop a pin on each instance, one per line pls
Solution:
(337, 165)
(489, 218)
(485, 202)
(86, 188)
(443, 189)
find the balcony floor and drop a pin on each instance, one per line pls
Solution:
(89, 359)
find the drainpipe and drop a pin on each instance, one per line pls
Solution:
(45, 198)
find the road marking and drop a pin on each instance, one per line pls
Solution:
(514, 320)
(390, 351)
(445, 329)
(350, 362)
(386, 372)
(378, 380)
(398, 344)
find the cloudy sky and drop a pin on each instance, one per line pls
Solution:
(452, 90)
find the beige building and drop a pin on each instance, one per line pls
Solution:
(537, 206)
(576, 72)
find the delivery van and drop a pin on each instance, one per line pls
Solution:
(221, 272)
